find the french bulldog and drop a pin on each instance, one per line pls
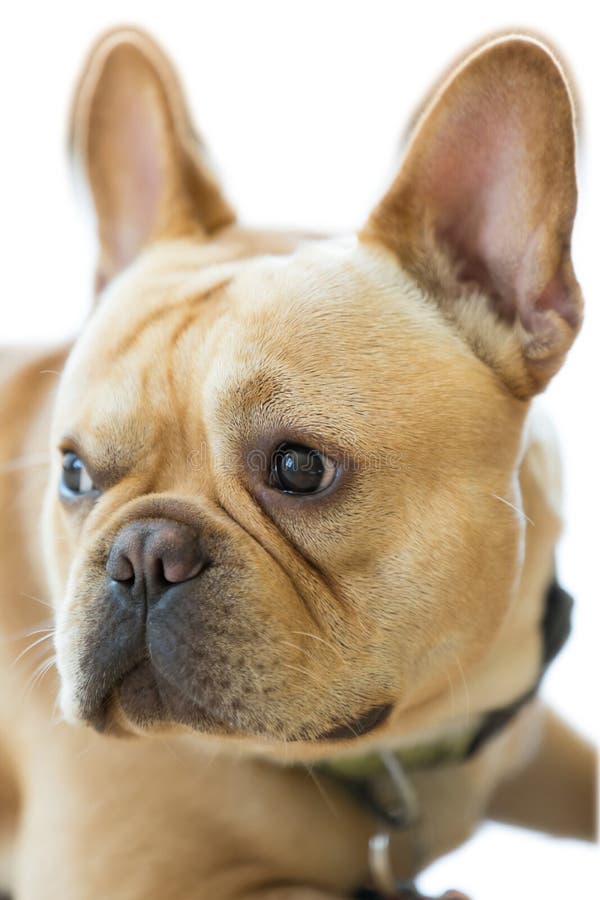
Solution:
(294, 512)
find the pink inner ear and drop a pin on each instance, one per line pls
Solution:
(557, 296)
(140, 181)
(477, 203)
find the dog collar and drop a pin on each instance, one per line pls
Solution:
(448, 749)
(374, 779)
(381, 781)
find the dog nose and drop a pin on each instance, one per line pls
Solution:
(146, 558)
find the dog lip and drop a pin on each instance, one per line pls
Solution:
(103, 715)
(135, 704)
(359, 726)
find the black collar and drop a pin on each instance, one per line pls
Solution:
(556, 627)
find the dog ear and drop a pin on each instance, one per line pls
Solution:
(482, 209)
(133, 141)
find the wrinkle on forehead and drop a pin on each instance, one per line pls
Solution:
(188, 310)
(128, 401)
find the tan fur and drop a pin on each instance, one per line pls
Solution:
(418, 581)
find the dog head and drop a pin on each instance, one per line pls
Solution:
(285, 483)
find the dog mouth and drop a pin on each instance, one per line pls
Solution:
(141, 672)
(359, 726)
(112, 713)
(144, 700)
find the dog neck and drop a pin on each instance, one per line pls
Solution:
(378, 780)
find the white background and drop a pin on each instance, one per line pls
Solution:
(303, 105)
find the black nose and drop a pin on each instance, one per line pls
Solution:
(148, 557)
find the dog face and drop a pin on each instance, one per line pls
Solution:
(285, 491)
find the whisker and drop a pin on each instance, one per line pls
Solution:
(328, 801)
(293, 647)
(519, 512)
(38, 675)
(168, 746)
(465, 685)
(56, 715)
(321, 640)
(40, 640)
(37, 599)
(302, 671)
(352, 731)
(365, 627)
(44, 626)
(452, 694)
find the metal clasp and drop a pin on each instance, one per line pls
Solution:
(406, 812)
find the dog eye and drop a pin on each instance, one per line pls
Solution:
(75, 479)
(299, 470)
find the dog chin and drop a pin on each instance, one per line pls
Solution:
(140, 705)
(144, 703)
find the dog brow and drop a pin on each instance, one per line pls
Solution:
(163, 312)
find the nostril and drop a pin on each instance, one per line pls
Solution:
(120, 568)
(175, 571)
